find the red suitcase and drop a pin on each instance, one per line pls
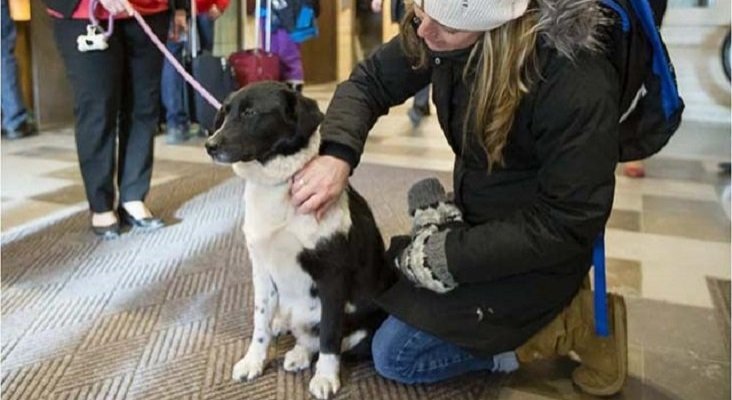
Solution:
(257, 64)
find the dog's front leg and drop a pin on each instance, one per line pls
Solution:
(326, 381)
(265, 304)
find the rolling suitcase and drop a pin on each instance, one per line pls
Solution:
(213, 73)
(257, 64)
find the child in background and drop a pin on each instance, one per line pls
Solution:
(293, 22)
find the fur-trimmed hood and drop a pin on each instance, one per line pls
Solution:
(570, 25)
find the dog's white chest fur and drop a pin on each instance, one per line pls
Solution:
(276, 234)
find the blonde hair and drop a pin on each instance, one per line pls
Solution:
(506, 68)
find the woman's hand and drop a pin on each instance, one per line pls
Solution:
(318, 184)
(114, 6)
(180, 25)
(376, 6)
(214, 12)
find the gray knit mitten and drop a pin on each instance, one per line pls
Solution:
(424, 260)
(428, 205)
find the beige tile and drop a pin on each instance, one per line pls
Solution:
(673, 269)
(70, 173)
(49, 152)
(628, 200)
(704, 220)
(635, 361)
(165, 151)
(24, 185)
(667, 187)
(624, 277)
(623, 219)
(409, 151)
(508, 393)
(71, 194)
(407, 162)
(27, 211)
(680, 170)
(21, 166)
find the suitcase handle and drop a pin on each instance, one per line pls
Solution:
(258, 26)
(193, 37)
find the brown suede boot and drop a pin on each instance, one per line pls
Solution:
(572, 333)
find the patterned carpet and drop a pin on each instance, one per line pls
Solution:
(165, 315)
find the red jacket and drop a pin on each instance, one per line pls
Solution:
(203, 6)
(81, 11)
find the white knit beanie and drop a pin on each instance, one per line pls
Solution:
(473, 15)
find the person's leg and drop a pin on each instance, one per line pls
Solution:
(410, 356)
(420, 107)
(95, 78)
(206, 32)
(138, 117)
(422, 100)
(290, 58)
(604, 360)
(173, 96)
(13, 110)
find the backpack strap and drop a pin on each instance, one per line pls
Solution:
(598, 261)
(620, 11)
(661, 65)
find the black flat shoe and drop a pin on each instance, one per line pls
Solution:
(107, 232)
(149, 223)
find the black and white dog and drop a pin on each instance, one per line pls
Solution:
(313, 278)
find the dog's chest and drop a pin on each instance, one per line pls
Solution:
(272, 223)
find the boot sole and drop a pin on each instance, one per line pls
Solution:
(620, 314)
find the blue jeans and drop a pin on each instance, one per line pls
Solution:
(410, 356)
(14, 112)
(422, 98)
(172, 83)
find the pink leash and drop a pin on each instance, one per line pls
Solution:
(196, 86)
(145, 27)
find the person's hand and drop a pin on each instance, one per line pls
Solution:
(428, 204)
(318, 184)
(114, 6)
(423, 260)
(376, 6)
(180, 25)
(214, 12)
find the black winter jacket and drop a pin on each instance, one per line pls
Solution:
(532, 221)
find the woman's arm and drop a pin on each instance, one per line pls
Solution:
(380, 82)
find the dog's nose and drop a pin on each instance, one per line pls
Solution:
(211, 147)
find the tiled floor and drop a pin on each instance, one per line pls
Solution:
(668, 243)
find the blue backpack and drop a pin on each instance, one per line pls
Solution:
(649, 93)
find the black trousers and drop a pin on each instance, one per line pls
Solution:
(116, 96)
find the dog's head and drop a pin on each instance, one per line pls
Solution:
(262, 121)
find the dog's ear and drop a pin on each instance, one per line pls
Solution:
(307, 113)
(221, 115)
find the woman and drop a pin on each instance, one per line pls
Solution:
(533, 180)
(116, 96)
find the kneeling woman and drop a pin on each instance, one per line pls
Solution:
(528, 102)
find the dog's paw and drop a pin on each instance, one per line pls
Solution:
(279, 325)
(248, 368)
(297, 359)
(323, 386)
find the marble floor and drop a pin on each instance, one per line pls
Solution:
(668, 241)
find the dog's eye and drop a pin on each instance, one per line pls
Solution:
(249, 112)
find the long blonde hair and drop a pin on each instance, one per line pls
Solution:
(506, 68)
